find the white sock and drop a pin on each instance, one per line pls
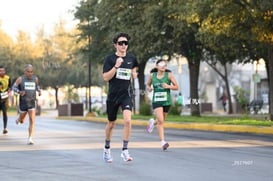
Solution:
(163, 142)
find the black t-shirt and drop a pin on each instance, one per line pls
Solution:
(119, 85)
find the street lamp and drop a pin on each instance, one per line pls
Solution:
(89, 68)
(91, 19)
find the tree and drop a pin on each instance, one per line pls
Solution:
(101, 25)
(181, 23)
(157, 28)
(6, 46)
(61, 64)
(249, 22)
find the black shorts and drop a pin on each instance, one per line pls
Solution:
(24, 107)
(113, 106)
(165, 108)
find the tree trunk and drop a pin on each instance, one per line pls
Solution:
(194, 74)
(270, 79)
(56, 97)
(141, 78)
(230, 109)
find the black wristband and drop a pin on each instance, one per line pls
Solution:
(116, 67)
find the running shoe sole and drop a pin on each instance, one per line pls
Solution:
(165, 146)
(124, 158)
(107, 160)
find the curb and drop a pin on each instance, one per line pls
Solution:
(190, 126)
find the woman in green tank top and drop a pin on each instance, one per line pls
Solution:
(161, 81)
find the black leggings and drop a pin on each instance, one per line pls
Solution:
(4, 108)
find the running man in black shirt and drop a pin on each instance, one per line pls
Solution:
(118, 70)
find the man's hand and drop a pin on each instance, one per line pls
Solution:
(119, 62)
(22, 93)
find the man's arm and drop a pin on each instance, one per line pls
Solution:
(38, 89)
(111, 73)
(134, 72)
(9, 85)
(15, 87)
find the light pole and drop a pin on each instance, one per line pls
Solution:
(89, 68)
(89, 60)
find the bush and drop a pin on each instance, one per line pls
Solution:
(241, 97)
(145, 109)
(175, 109)
(98, 111)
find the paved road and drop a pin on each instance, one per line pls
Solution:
(71, 150)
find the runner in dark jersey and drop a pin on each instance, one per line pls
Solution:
(118, 70)
(26, 86)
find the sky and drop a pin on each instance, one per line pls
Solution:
(29, 15)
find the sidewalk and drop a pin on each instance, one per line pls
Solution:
(190, 126)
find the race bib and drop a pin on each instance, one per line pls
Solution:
(4, 95)
(29, 85)
(160, 96)
(123, 73)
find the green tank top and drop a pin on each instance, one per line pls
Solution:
(161, 96)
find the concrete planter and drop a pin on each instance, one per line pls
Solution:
(206, 107)
(70, 110)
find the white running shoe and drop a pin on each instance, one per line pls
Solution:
(165, 146)
(151, 126)
(30, 141)
(126, 156)
(107, 155)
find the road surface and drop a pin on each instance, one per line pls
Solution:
(71, 150)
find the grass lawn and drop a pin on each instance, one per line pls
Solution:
(233, 120)
(255, 120)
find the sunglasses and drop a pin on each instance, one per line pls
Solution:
(122, 43)
(162, 64)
